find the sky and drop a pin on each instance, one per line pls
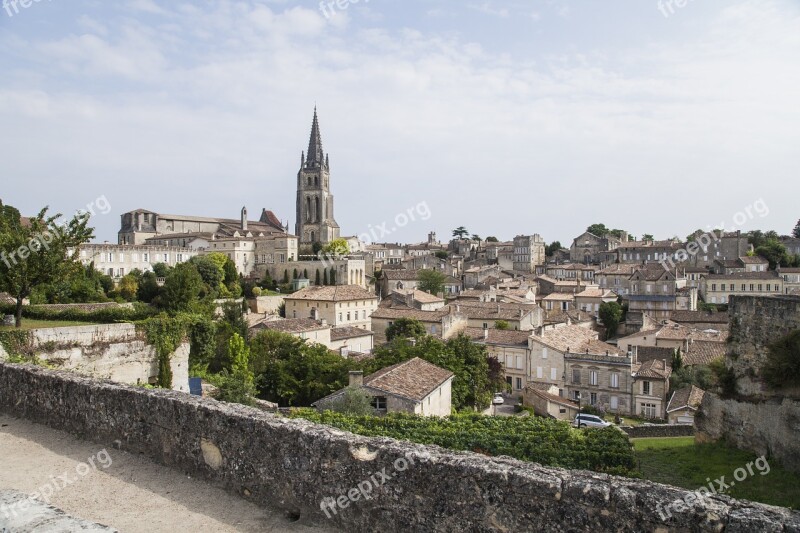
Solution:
(506, 117)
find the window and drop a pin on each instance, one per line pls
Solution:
(593, 398)
(614, 402)
(593, 377)
(538, 372)
(519, 383)
(348, 316)
(576, 375)
(714, 287)
(553, 374)
(519, 362)
(614, 380)
(378, 402)
(544, 351)
(576, 395)
(340, 317)
(752, 286)
(648, 410)
(645, 387)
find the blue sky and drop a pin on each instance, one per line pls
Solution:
(506, 117)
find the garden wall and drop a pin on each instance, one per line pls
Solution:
(297, 465)
(659, 430)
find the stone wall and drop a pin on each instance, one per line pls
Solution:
(18, 512)
(768, 427)
(659, 430)
(106, 351)
(755, 323)
(759, 419)
(297, 465)
(266, 304)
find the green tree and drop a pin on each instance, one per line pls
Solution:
(161, 270)
(37, 251)
(210, 270)
(460, 232)
(599, 230)
(182, 289)
(128, 287)
(237, 386)
(476, 237)
(354, 402)
(285, 276)
(775, 252)
(441, 254)
(648, 237)
(492, 239)
(431, 281)
(610, 314)
(333, 276)
(677, 360)
(782, 368)
(336, 248)
(502, 325)
(305, 273)
(552, 248)
(325, 277)
(317, 278)
(796, 230)
(148, 289)
(405, 328)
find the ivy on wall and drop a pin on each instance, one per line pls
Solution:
(165, 334)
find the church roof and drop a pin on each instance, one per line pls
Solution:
(315, 156)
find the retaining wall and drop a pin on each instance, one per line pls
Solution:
(660, 430)
(296, 465)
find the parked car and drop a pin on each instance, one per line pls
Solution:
(590, 421)
(498, 399)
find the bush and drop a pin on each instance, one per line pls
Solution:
(107, 315)
(546, 441)
(782, 368)
(726, 377)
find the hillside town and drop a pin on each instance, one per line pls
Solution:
(254, 365)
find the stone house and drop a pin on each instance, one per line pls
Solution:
(654, 290)
(485, 315)
(529, 251)
(615, 277)
(683, 404)
(590, 300)
(650, 388)
(443, 323)
(587, 247)
(545, 401)
(558, 302)
(118, 260)
(791, 280)
(511, 350)
(414, 386)
(344, 339)
(341, 305)
(718, 288)
(599, 376)
(646, 252)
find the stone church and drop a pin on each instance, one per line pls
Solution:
(315, 222)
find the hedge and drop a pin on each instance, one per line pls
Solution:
(108, 315)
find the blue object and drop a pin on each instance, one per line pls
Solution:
(196, 386)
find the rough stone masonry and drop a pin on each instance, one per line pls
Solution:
(296, 464)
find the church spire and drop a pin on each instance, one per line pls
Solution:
(316, 157)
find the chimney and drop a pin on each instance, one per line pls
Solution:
(315, 313)
(244, 219)
(356, 378)
(324, 322)
(485, 332)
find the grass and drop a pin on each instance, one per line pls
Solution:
(680, 462)
(28, 324)
(626, 420)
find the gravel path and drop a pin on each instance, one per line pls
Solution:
(126, 492)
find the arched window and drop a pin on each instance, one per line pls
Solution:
(309, 181)
(316, 181)
(317, 210)
(313, 235)
(308, 209)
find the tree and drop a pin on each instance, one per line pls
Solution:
(148, 288)
(37, 251)
(782, 368)
(337, 248)
(237, 386)
(305, 273)
(210, 270)
(431, 281)
(405, 328)
(460, 232)
(677, 360)
(476, 237)
(354, 401)
(333, 276)
(128, 287)
(502, 325)
(285, 276)
(325, 277)
(441, 254)
(610, 314)
(552, 248)
(796, 230)
(648, 237)
(599, 230)
(775, 252)
(698, 375)
(161, 270)
(492, 239)
(317, 278)
(181, 289)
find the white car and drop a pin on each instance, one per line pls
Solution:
(498, 399)
(584, 420)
